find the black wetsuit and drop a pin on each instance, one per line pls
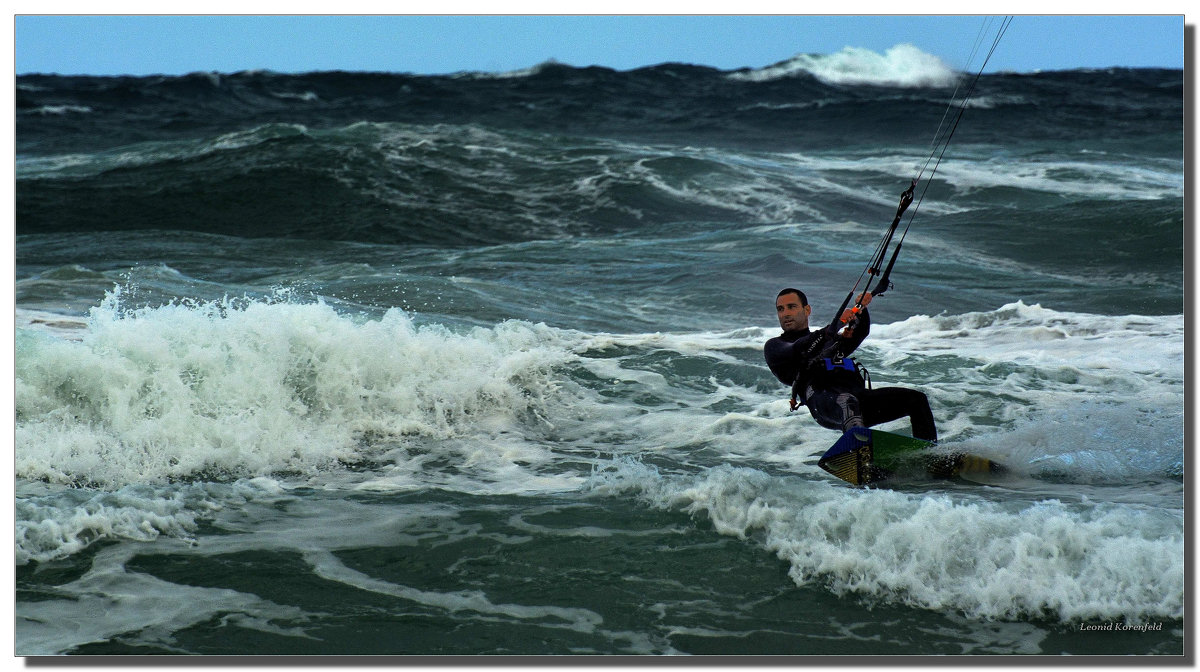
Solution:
(817, 365)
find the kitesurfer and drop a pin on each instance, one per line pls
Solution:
(818, 366)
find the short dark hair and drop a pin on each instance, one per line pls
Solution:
(791, 290)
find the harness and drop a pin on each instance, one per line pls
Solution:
(832, 369)
(846, 364)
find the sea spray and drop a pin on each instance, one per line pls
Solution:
(243, 388)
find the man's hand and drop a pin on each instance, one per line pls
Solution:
(852, 313)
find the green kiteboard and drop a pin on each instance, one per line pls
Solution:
(864, 456)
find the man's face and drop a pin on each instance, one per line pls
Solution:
(792, 315)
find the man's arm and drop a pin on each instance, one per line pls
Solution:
(851, 343)
(781, 359)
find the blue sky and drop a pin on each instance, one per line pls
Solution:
(141, 45)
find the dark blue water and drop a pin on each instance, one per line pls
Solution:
(368, 363)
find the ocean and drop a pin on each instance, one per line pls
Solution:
(364, 364)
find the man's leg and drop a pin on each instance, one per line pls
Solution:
(833, 409)
(892, 403)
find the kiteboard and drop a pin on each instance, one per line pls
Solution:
(864, 456)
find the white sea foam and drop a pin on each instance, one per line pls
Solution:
(222, 390)
(149, 153)
(109, 603)
(761, 193)
(985, 559)
(1032, 387)
(1097, 178)
(307, 96)
(991, 101)
(1034, 335)
(259, 515)
(329, 567)
(60, 110)
(59, 524)
(757, 186)
(902, 65)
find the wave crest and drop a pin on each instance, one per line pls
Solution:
(904, 65)
(232, 389)
(988, 560)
